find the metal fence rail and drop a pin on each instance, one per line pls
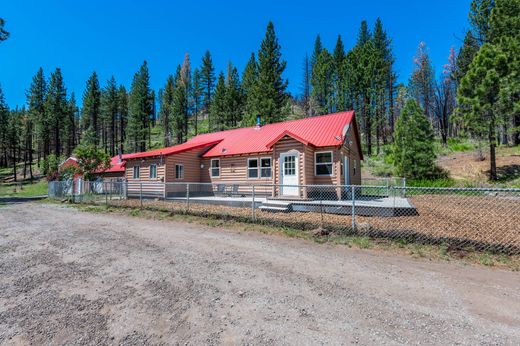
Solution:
(482, 219)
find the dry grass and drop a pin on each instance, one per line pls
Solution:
(489, 223)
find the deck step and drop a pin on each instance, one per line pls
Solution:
(276, 206)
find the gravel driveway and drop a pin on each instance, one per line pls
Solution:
(71, 277)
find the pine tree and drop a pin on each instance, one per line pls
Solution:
(339, 103)
(270, 99)
(187, 85)
(56, 109)
(306, 87)
(36, 103)
(4, 129)
(318, 47)
(468, 50)
(413, 152)
(505, 35)
(4, 35)
(480, 12)
(421, 82)
(479, 95)
(249, 79)
(233, 97)
(166, 107)
(197, 94)
(180, 107)
(110, 110)
(91, 110)
(140, 109)
(207, 78)
(122, 113)
(322, 82)
(218, 106)
(14, 131)
(71, 128)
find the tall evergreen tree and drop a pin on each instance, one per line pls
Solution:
(322, 82)
(413, 151)
(180, 108)
(4, 128)
(140, 109)
(249, 79)
(207, 78)
(479, 94)
(197, 94)
(234, 98)
(122, 113)
(505, 35)
(91, 110)
(187, 85)
(36, 104)
(468, 50)
(166, 107)
(318, 47)
(270, 98)
(479, 15)
(71, 128)
(306, 87)
(421, 82)
(218, 106)
(339, 103)
(56, 109)
(4, 35)
(110, 110)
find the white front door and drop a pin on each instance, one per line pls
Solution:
(289, 174)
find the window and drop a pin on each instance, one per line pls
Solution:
(323, 163)
(265, 167)
(289, 165)
(153, 171)
(179, 172)
(252, 168)
(137, 172)
(215, 168)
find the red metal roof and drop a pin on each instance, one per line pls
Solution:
(191, 144)
(116, 165)
(320, 131)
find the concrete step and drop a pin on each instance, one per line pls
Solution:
(276, 206)
(273, 209)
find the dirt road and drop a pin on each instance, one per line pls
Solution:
(79, 278)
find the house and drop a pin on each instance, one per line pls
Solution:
(285, 157)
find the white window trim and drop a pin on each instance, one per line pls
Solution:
(133, 172)
(182, 171)
(316, 163)
(270, 167)
(252, 169)
(150, 171)
(211, 168)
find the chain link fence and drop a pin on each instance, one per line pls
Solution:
(479, 219)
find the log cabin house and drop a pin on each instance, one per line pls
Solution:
(312, 151)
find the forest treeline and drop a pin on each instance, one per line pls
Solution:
(475, 94)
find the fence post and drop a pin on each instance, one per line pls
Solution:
(106, 192)
(187, 197)
(141, 194)
(353, 208)
(404, 187)
(321, 207)
(253, 212)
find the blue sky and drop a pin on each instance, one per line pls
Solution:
(113, 37)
